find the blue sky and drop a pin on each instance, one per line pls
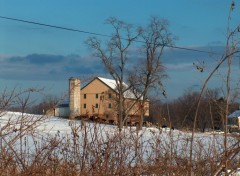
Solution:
(34, 56)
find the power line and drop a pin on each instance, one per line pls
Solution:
(97, 34)
(54, 26)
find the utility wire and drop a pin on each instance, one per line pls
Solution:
(98, 34)
(54, 26)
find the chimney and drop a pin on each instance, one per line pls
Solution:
(74, 98)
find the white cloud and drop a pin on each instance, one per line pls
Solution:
(178, 67)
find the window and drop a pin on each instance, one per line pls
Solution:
(96, 106)
(107, 116)
(84, 106)
(109, 105)
(84, 96)
(109, 95)
(96, 96)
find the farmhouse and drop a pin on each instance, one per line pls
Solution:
(97, 100)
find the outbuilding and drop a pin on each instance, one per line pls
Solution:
(234, 121)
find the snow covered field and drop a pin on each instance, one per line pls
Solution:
(28, 134)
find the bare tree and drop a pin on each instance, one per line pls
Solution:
(149, 73)
(146, 74)
(49, 102)
(232, 49)
(114, 56)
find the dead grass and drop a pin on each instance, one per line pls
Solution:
(90, 151)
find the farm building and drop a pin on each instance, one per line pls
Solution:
(97, 100)
(234, 121)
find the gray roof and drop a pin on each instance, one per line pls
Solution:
(235, 114)
(64, 105)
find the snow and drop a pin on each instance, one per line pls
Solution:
(48, 127)
(113, 85)
(110, 82)
(53, 125)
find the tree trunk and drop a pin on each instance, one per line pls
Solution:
(120, 124)
(141, 121)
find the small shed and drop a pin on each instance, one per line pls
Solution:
(234, 120)
(62, 110)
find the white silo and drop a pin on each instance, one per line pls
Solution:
(74, 97)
